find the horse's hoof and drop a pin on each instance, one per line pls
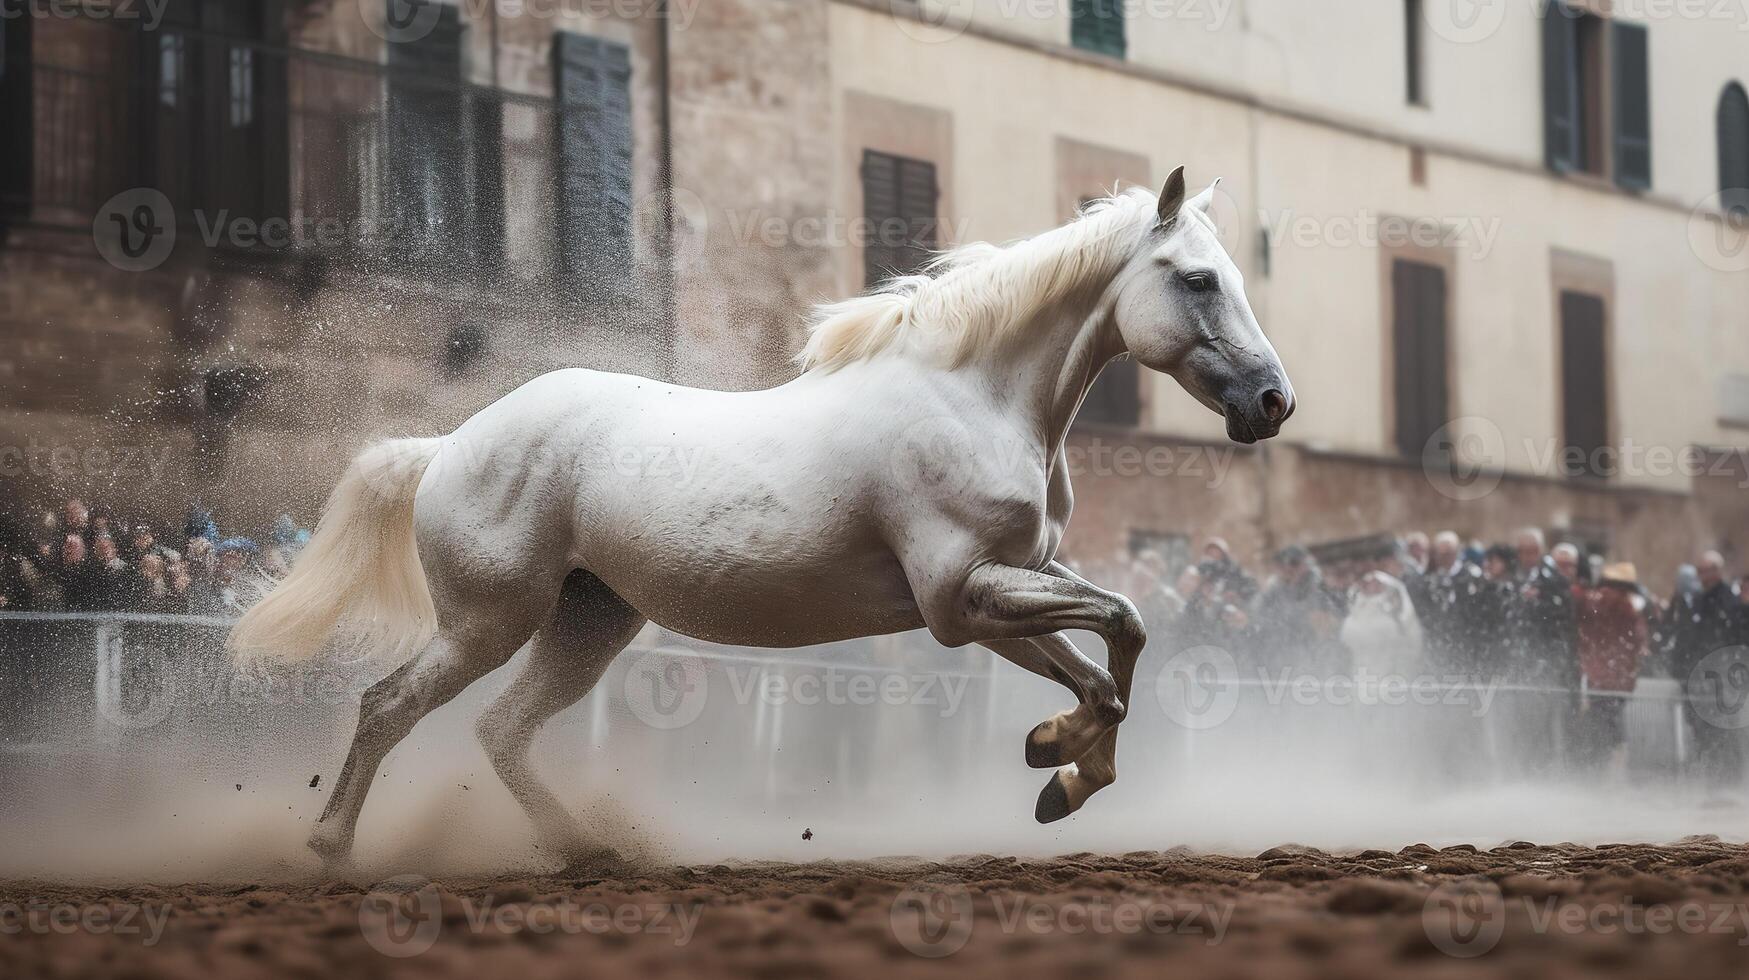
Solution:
(1053, 801)
(1044, 750)
(336, 854)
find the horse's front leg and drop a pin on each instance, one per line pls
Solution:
(1067, 735)
(1002, 602)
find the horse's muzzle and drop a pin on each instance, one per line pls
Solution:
(1261, 419)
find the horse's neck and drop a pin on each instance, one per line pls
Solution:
(1046, 373)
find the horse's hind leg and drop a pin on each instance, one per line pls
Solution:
(588, 628)
(392, 706)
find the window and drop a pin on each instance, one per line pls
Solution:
(1116, 396)
(1596, 96)
(1584, 384)
(899, 198)
(1172, 546)
(214, 109)
(1418, 302)
(425, 173)
(1097, 25)
(15, 118)
(1414, 39)
(1734, 150)
(592, 81)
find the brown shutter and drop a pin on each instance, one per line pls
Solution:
(1419, 348)
(1584, 382)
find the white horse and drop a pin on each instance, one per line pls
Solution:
(912, 476)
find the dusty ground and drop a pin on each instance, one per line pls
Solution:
(1530, 911)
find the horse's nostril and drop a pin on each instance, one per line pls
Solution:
(1275, 407)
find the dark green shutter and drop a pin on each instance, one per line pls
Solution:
(16, 115)
(1561, 96)
(1418, 298)
(1098, 25)
(1633, 107)
(899, 199)
(592, 82)
(1733, 125)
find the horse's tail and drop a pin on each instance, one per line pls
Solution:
(362, 565)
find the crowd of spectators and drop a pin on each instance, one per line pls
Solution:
(86, 559)
(1437, 607)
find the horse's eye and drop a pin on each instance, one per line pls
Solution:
(1199, 282)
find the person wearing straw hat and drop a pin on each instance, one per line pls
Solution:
(1612, 642)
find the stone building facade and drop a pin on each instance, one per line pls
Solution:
(1469, 256)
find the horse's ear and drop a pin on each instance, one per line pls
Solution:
(1205, 202)
(1172, 197)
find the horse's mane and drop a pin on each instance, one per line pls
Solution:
(973, 296)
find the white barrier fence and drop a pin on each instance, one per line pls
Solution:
(889, 735)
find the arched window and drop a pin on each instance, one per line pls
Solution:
(1734, 150)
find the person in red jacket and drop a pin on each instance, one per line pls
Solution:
(1611, 619)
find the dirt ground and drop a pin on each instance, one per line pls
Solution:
(1514, 910)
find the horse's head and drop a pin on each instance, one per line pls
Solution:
(1181, 310)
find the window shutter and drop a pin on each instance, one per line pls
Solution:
(592, 82)
(1116, 396)
(1413, 26)
(16, 117)
(899, 200)
(1633, 107)
(1561, 98)
(1098, 25)
(424, 123)
(1418, 308)
(1734, 150)
(1584, 383)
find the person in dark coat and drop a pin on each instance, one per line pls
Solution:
(1544, 627)
(1705, 646)
(1454, 621)
(1496, 612)
(1296, 621)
